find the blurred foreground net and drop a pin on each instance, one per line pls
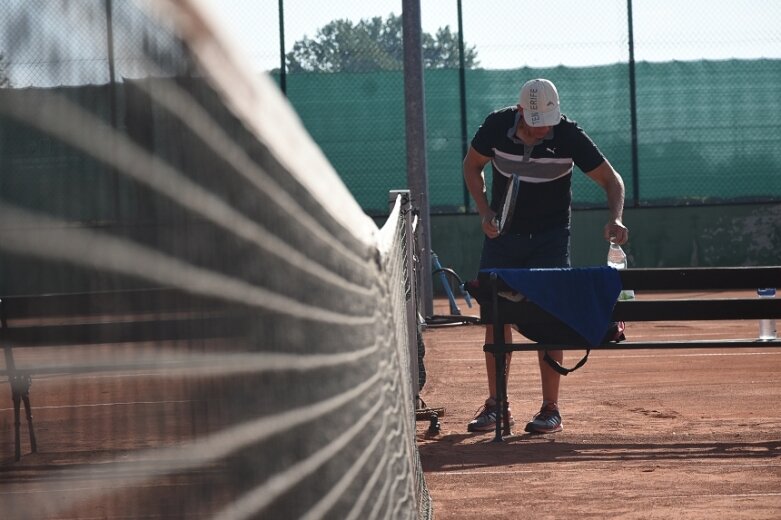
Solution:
(211, 325)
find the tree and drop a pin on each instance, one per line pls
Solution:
(341, 46)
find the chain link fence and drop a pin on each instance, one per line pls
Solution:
(682, 100)
(681, 97)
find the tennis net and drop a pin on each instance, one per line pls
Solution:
(202, 318)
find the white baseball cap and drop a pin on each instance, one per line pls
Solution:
(540, 103)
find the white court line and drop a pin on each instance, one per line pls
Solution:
(710, 495)
(655, 337)
(596, 352)
(481, 359)
(53, 377)
(647, 336)
(98, 486)
(596, 469)
(698, 354)
(96, 405)
(597, 355)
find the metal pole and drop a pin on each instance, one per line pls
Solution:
(414, 110)
(633, 107)
(282, 67)
(112, 78)
(462, 95)
(110, 44)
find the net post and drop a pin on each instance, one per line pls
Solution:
(406, 215)
(415, 126)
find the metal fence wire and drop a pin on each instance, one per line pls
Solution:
(685, 108)
(682, 99)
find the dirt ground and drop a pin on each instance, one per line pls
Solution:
(648, 434)
(685, 433)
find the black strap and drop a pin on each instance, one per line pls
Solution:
(562, 370)
(616, 336)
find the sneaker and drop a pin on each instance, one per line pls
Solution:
(485, 419)
(548, 420)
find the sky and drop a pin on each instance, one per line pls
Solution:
(510, 35)
(514, 33)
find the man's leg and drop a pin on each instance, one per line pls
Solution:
(548, 420)
(549, 377)
(553, 248)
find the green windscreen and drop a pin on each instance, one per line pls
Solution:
(706, 130)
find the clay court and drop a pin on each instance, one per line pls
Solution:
(683, 433)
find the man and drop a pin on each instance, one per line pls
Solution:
(535, 142)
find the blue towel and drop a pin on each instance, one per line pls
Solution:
(581, 297)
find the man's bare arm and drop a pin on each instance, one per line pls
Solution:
(610, 181)
(474, 162)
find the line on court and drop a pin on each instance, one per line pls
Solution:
(101, 486)
(96, 405)
(594, 470)
(697, 354)
(639, 356)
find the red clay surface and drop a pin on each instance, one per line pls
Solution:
(685, 433)
(647, 433)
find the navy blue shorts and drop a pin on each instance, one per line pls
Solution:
(546, 249)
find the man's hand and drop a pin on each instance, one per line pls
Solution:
(489, 224)
(616, 232)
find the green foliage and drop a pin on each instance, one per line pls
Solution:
(370, 45)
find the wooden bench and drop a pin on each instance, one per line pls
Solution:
(500, 311)
(112, 317)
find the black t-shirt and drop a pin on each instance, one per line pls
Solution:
(545, 170)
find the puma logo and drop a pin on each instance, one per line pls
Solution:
(551, 150)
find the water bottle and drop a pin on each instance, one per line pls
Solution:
(767, 327)
(617, 258)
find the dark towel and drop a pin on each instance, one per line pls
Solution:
(581, 297)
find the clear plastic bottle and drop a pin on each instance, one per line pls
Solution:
(767, 327)
(617, 258)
